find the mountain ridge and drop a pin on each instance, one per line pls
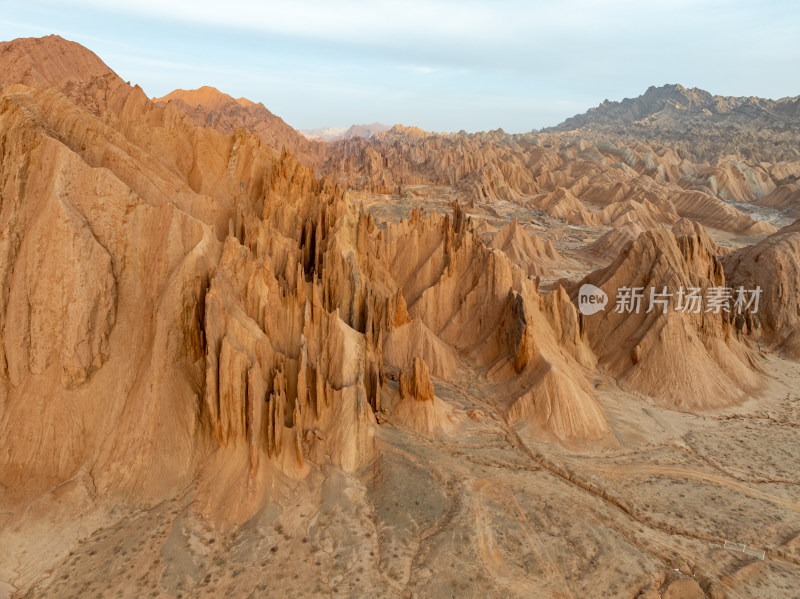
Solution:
(207, 96)
(49, 61)
(336, 133)
(695, 123)
(670, 96)
(209, 107)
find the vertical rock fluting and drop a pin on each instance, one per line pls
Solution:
(417, 384)
(304, 321)
(680, 351)
(474, 302)
(312, 297)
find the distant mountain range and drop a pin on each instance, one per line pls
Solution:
(696, 123)
(677, 100)
(334, 133)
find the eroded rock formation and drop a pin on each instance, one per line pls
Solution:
(195, 311)
(656, 340)
(204, 282)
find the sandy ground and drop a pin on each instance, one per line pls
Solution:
(485, 510)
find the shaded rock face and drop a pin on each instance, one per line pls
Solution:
(417, 384)
(771, 265)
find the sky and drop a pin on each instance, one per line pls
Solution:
(441, 65)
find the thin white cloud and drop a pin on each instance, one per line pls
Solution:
(321, 20)
(421, 69)
(394, 21)
(38, 30)
(156, 62)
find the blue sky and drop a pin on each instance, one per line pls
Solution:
(441, 65)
